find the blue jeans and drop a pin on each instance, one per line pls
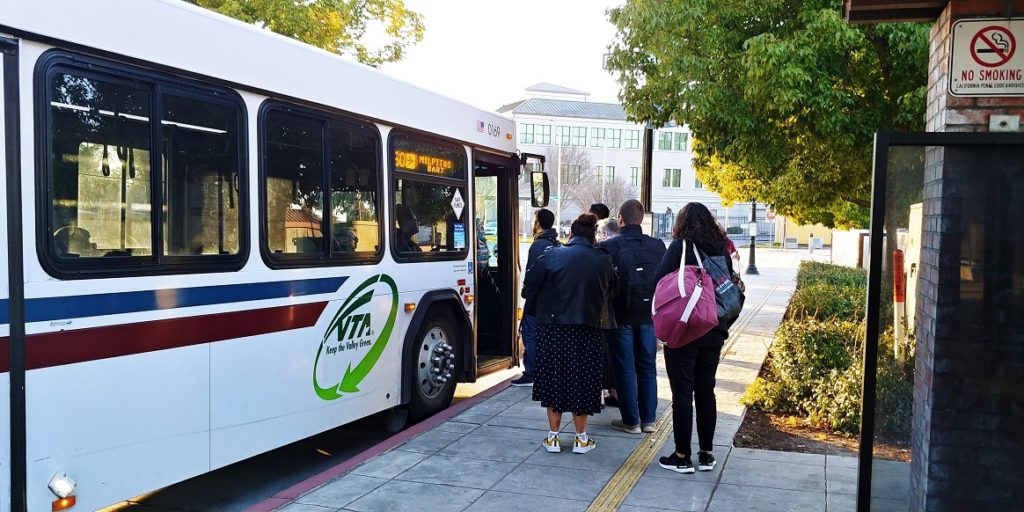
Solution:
(633, 349)
(528, 328)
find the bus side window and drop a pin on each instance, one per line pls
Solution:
(317, 215)
(115, 193)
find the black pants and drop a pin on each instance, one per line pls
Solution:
(691, 373)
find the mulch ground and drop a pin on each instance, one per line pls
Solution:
(770, 431)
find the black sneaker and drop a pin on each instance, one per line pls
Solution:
(522, 381)
(705, 461)
(675, 463)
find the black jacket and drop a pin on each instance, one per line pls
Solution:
(541, 242)
(655, 247)
(572, 285)
(670, 262)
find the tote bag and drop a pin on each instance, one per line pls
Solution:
(684, 307)
(728, 295)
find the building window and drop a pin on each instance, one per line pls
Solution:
(526, 132)
(571, 174)
(578, 136)
(680, 140)
(634, 176)
(632, 139)
(614, 138)
(563, 135)
(610, 172)
(597, 137)
(543, 134)
(665, 141)
(672, 178)
(697, 184)
(600, 173)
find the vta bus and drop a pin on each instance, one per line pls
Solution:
(221, 241)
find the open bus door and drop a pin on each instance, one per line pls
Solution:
(496, 224)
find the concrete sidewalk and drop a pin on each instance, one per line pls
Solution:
(489, 457)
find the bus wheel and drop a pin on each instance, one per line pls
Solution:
(435, 360)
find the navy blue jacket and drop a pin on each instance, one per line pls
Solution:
(542, 241)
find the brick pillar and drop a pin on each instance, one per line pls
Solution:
(963, 419)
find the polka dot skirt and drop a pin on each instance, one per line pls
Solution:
(570, 362)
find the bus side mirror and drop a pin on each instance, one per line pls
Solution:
(539, 191)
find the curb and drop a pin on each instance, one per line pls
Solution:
(288, 495)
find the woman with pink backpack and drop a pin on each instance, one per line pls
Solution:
(691, 368)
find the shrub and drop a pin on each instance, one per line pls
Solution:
(813, 272)
(823, 301)
(815, 367)
(806, 350)
(894, 391)
(835, 401)
(804, 353)
(770, 395)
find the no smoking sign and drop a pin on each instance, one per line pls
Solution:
(984, 60)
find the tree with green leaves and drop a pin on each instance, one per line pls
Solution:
(782, 96)
(338, 26)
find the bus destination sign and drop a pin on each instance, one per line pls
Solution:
(416, 162)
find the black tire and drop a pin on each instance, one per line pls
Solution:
(429, 395)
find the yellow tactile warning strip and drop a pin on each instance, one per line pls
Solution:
(625, 479)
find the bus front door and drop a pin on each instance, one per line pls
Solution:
(495, 209)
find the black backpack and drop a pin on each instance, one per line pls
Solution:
(635, 267)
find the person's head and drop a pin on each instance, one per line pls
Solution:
(600, 210)
(543, 219)
(606, 228)
(405, 220)
(585, 226)
(695, 223)
(631, 213)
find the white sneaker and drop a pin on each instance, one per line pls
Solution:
(552, 444)
(581, 446)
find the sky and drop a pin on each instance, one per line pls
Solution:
(485, 52)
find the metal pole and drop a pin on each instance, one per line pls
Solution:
(751, 267)
(646, 170)
(558, 211)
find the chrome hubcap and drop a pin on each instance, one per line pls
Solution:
(436, 362)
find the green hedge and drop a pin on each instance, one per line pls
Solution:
(814, 272)
(814, 367)
(824, 301)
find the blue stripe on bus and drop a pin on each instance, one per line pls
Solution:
(60, 308)
(3, 311)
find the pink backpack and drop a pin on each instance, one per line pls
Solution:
(684, 307)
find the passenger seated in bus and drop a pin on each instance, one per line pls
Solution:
(406, 227)
(72, 240)
(345, 239)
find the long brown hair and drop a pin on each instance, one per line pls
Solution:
(696, 224)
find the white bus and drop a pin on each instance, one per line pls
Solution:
(222, 241)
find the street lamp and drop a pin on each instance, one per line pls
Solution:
(751, 267)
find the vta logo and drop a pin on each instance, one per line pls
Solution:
(357, 326)
(349, 342)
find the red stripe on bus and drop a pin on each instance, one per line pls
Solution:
(81, 345)
(5, 354)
